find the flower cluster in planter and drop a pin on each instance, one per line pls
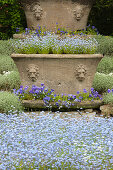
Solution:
(53, 44)
(48, 96)
(89, 30)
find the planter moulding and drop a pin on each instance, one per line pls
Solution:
(39, 105)
(65, 73)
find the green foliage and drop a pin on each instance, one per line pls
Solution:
(102, 82)
(9, 76)
(108, 98)
(5, 47)
(6, 64)
(105, 45)
(101, 16)
(9, 102)
(106, 65)
(9, 1)
(11, 17)
(9, 80)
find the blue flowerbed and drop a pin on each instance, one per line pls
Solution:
(48, 95)
(49, 142)
(53, 44)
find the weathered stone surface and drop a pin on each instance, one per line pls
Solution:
(87, 105)
(60, 72)
(23, 36)
(19, 36)
(88, 110)
(106, 110)
(33, 104)
(72, 14)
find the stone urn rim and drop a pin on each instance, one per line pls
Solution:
(58, 56)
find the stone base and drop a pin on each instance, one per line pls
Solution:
(65, 73)
(107, 110)
(39, 105)
(23, 36)
(19, 36)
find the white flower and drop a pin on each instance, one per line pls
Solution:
(5, 73)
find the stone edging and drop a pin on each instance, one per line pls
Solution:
(23, 36)
(39, 104)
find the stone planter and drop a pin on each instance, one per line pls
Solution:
(39, 105)
(65, 73)
(72, 14)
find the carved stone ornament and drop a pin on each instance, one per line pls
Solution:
(33, 72)
(37, 10)
(80, 72)
(78, 12)
(34, 7)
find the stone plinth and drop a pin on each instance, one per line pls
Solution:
(65, 73)
(71, 14)
(87, 105)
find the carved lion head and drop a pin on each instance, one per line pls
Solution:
(37, 10)
(33, 72)
(78, 12)
(80, 72)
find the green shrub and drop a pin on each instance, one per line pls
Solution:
(7, 64)
(9, 80)
(105, 45)
(11, 17)
(5, 47)
(9, 102)
(102, 82)
(108, 98)
(101, 16)
(105, 65)
(9, 76)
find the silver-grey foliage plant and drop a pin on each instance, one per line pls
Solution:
(9, 103)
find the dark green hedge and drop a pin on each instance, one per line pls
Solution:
(101, 16)
(11, 17)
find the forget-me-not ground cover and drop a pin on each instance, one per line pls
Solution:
(53, 44)
(46, 140)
